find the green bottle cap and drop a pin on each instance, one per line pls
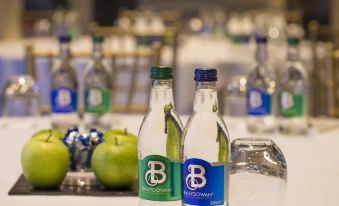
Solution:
(98, 39)
(293, 40)
(161, 73)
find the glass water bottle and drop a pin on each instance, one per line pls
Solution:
(260, 93)
(205, 148)
(98, 87)
(64, 86)
(159, 145)
(293, 89)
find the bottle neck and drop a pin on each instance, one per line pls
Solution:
(206, 98)
(261, 53)
(97, 51)
(65, 51)
(161, 94)
(293, 53)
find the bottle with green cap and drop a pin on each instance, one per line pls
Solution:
(97, 87)
(159, 145)
(292, 92)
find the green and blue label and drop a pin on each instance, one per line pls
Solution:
(203, 183)
(258, 102)
(64, 100)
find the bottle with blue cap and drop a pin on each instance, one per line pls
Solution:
(292, 92)
(159, 143)
(260, 93)
(205, 148)
(98, 87)
(64, 89)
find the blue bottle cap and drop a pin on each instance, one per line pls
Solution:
(65, 39)
(261, 39)
(205, 75)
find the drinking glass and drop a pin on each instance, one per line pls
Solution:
(258, 173)
(21, 97)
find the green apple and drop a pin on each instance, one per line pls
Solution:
(115, 161)
(44, 160)
(45, 132)
(124, 135)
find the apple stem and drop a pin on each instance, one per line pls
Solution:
(116, 140)
(125, 131)
(49, 135)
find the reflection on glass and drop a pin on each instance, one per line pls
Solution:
(21, 97)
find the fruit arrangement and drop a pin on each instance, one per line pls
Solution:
(49, 155)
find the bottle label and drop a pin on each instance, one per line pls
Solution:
(97, 100)
(291, 105)
(258, 102)
(159, 179)
(204, 184)
(64, 100)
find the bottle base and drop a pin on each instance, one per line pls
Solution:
(293, 126)
(63, 121)
(101, 122)
(261, 124)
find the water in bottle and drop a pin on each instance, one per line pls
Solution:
(260, 93)
(293, 89)
(64, 88)
(98, 87)
(159, 145)
(205, 149)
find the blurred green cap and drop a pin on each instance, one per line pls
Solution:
(97, 39)
(161, 73)
(293, 40)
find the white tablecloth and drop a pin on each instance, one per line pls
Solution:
(313, 163)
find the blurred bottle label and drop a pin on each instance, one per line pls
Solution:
(63, 100)
(291, 105)
(97, 100)
(203, 183)
(258, 102)
(159, 179)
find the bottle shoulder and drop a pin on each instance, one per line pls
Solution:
(155, 120)
(202, 123)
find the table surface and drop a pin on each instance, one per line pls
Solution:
(313, 166)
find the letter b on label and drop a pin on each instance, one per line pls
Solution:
(196, 178)
(156, 173)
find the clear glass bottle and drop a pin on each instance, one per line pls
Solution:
(293, 89)
(64, 88)
(260, 93)
(98, 87)
(205, 149)
(159, 145)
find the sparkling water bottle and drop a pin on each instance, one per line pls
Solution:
(260, 93)
(64, 87)
(98, 88)
(205, 148)
(159, 145)
(293, 92)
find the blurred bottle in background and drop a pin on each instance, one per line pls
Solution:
(235, 97)
(98, 86)
(293, 89)
(260, 93)
(64, 88)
